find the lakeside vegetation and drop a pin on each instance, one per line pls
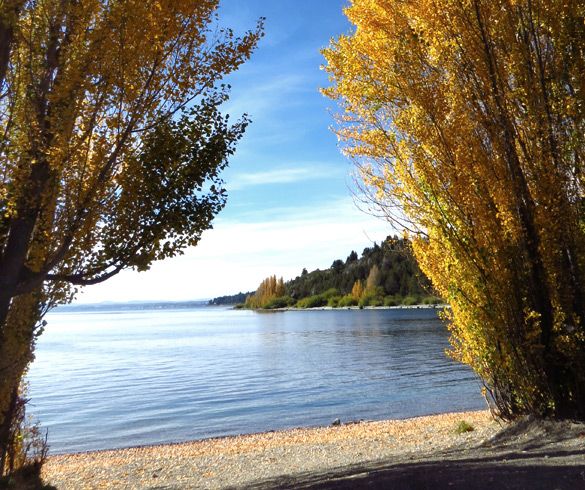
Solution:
(384, 275)
(465, 122)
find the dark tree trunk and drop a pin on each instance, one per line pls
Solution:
(16, 353)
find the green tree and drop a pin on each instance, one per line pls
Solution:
(337, 265)
(352, 257)
(467, 122)
(111, 149)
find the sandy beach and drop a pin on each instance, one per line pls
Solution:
(249, 460)
(422, 452)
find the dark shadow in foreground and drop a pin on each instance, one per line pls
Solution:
(562, 470)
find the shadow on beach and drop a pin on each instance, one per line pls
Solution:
(512, 471)
(541, 455)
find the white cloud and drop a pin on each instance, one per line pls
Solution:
(280, 176)
(235, 257)
(261, 100)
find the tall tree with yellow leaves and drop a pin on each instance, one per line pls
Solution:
(111, 144)
(466, 120)
(357, 290)
(269, 289)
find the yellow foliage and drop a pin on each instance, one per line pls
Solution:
(358, 290)
(373, 279)
(466, 120)
(111, 145)
(82, 86)
(269, 289)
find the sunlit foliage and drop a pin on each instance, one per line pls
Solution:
(466, 120)
(269, 289)
(111, 145)
(357, 291)
(384, 275)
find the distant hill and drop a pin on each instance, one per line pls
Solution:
(385, 274)
(234, 299)
(398, 272)
(132, 305)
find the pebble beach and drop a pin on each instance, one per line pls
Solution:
(254, 460)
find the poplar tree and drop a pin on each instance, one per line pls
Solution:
(357, 290)
(269, 289)
(373, 279)
(466, 120)
(111, 146)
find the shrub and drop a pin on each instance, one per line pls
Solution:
(347, 300)
(330, 293)
(372, 297)
(333, 302)
(410, 300)
(312, 301)
(27, 451)
(463, 427)
(368, 300)
(376, 301)
(280, 302)
(390, 301)
(432, 300)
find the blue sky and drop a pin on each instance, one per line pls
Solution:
(289, 203)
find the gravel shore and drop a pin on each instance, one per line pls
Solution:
(272, 459)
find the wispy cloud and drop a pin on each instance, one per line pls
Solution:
(286, 211)
(286, 175)
(261, 99)
(236, 256)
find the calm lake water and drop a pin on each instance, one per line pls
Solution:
(109, 379)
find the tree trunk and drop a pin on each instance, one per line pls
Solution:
(16, 353)
(9, 13)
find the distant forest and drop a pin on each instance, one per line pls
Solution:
(384, 275)
(232, 299)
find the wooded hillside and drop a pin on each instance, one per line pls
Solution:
(385, 274)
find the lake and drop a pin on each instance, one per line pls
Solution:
(109, 379)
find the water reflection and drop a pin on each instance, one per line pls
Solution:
(119, 379)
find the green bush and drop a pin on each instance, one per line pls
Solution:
(372, 298)
(330, 293)
(333, 302)
(347, 300)
(463, 427)
(368, 300)
(432, 300)
(410, 300)
(391, 301)
(280, 302)
(312, 301)
(376, 301)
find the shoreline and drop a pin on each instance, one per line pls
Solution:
(417, 453)
(244, 459)
(341, 308)
(277, 431)
(397, 307)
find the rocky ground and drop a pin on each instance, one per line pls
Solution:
(424, 452)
